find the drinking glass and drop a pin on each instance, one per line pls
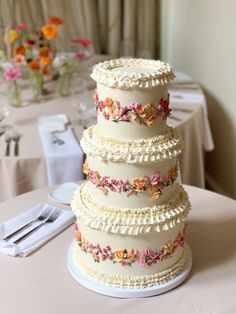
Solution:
(80, 98)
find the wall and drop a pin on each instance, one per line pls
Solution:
(199, 38)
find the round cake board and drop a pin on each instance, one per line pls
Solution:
(125, 292)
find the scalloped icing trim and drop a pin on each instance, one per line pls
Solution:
(136, 282)
(131, 222)
(131, 151)
(110, 73)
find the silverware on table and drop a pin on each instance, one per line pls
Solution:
(8, 144)
(43, 216)
(56, 139)
(53, 216)
(16, 138)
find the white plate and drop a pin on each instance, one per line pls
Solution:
(53, 123)
(64, 193)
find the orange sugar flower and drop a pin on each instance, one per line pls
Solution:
(55, 20)
(34, 65)
(49, 31)
(20, 50)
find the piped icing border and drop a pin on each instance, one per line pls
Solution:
(126, 257)
(136, 282)
(153, 184)
(130, 221)
(112, 73)
(143, 114)
(131, 151)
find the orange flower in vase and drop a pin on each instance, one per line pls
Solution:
(49, 31)
(34, 65)
(55, 20)
(20, 50)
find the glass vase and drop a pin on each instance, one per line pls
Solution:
(14, 95)
(37, 85)
(65, 84)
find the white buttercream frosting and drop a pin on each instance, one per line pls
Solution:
(142, 150)
(133, 73)
(130, 221)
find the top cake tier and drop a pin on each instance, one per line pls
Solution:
(132, 98)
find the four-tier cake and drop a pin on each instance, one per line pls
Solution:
(130, 213)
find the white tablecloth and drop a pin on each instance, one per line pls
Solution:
(41, 282)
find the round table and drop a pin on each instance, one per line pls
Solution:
(41, 283)
(189, 117)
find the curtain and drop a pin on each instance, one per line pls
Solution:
(115, 27)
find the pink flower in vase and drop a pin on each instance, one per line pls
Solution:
(12, 74)
(19, 59)
(85, 42)
(21, 26)
(80, 56)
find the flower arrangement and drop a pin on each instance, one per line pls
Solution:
(153, 184)
(143, 114)
(126, 257)
(33, 52)
(68, 63)
(11, 75)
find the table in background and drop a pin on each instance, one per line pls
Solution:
(41, 283)
(28, 171)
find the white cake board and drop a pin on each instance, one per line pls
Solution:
(124, 292)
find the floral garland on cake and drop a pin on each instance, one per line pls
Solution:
(153, 184)
(126, 257)
(143, 114)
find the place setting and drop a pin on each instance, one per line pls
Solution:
(25, 233)
(62, 150)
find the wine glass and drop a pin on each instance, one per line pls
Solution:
(80, 98)
(4, 106)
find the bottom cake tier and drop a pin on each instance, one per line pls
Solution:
(130, 261)
(130, 249)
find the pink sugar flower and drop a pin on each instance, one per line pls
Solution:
(125, 117)
(104, 257)
(20, 26)
(12, 74)
(155, 178)
(135, 106)
(106, 116)
(85, 42)
(80, 56)
(123, 110)
(108, 247)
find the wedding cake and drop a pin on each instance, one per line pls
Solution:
(130, 213)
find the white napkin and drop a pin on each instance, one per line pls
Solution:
(38, 238)
(64, 162)
(195, 98)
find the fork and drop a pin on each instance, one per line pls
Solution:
(8, 142)
(16, 138)
(41, 217)
(53, 216)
